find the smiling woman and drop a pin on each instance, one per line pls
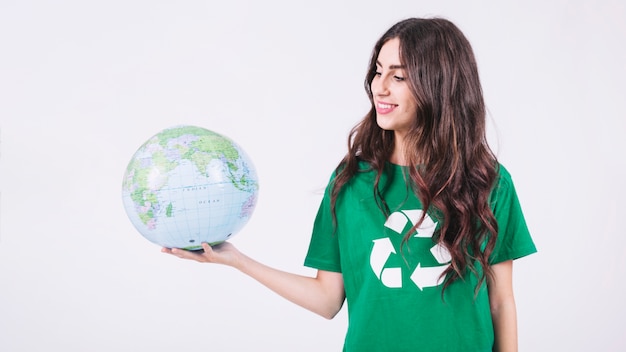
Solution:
(420, 223)
(422, 147)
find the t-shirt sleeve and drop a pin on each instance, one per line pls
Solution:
(514, 240)
(323, 253)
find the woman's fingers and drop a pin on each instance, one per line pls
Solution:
(204, 256)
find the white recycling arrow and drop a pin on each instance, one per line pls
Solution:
(441, 254)
(382, 250)
(397, 221)
(428, 276)
(392, 277)
(426, 228)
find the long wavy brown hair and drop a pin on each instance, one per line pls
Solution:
(451, 167)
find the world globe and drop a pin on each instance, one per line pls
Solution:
(188, 185)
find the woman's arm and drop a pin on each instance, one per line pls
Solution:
(503, 311)
(323, 294)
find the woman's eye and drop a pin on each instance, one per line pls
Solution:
(398, 78)
(377, 73)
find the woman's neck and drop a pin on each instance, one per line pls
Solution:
(397, 156)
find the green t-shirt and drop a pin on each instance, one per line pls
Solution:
(393, 292)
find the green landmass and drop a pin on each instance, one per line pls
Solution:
(147, 216)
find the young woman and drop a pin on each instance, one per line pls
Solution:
(419, 223)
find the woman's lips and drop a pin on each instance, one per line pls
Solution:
(384, 108)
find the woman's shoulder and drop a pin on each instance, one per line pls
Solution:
(503, 172)
(503, 175)
(503, 184)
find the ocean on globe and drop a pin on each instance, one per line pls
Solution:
(188, 185)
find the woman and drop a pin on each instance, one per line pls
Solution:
(420, 223)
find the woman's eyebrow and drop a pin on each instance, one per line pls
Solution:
(392, 67)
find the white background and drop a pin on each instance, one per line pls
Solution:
(84, 83)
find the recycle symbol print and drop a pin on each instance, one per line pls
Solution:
(383, 249)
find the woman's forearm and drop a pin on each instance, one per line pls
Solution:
(503, 310)
(323, 294)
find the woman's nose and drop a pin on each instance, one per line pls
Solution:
(379, 86)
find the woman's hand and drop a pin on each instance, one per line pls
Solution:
(224, 253)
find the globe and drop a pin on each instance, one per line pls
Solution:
(188, 185)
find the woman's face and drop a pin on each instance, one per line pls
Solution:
(396, 108)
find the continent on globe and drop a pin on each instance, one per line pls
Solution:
(188, 185)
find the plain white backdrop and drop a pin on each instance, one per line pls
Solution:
(84, 83)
